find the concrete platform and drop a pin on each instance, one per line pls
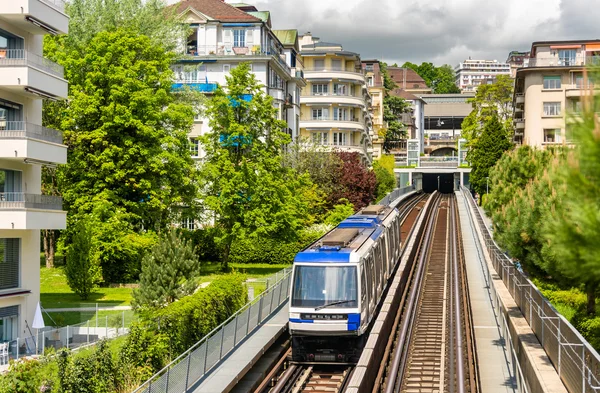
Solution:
(225, 376)
(495, 368)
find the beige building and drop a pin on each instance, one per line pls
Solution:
(25, 78)
(377, 92)
(470, 74)
(549, 87)
(334, 104)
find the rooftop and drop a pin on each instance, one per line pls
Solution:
(287, 37)
(216, 10)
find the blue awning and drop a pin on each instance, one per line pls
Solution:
(237, 24)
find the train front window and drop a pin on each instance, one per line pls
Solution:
(317, 286)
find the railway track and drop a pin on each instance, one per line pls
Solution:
(432, 348)
(286, 377)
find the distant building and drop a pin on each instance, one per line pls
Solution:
(408, 80)
(517, 60)
(549, 87)
(470, 74)
(223, 36)
(374, 79)
(335, 102)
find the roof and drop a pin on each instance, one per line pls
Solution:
(404, 94)
(570, 42)
(322, 45)
(287, 37)
(262, 15)
(216, 9)
(406, 78)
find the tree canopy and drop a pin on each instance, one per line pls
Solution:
(439, 79)
(246, 185)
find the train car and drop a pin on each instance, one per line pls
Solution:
(337, 285)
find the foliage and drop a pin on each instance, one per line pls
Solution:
(573, 224)
(386, 181)
(203, 242)
(357, 183)
(494, 100)
(486, 151)
(393, 108)
(82, 270)
(388, 82)
(96, 373)
(168, 272)
(26, 376)
(440, 79)
(339, 212)
(249, 190)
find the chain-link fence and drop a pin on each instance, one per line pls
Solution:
(576, 362)
(193, 364)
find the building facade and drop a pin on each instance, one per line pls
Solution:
(25, 78)
(407, 79)
(335, 102)
(225, 35)
(517, 60)
(470, 74)
(549, 88)
(374, 77)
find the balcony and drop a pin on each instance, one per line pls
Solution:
(329, 73)
(334, 98)
(249, 53)
(578, 61)
(520, 98)
(195, 84)
(353, 124)
(28, 74)
(519, 123)
(20, 140)
(36, 16)
(31, 211)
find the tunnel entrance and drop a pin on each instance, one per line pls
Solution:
(430, 182)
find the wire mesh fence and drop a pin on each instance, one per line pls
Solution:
(575, 360)
(193, 364)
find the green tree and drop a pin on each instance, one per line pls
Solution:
(494, 100)
(82, 270)
(339, 213)
(440, 79)
(250, 191)
(486, 151)
(168, 273)
(386, 181)
(393, 108)
(573, 225)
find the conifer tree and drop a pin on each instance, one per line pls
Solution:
(168, 272)
(82, 270)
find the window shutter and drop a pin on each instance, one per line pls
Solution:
(249, 38)
(326, 114)
(9, 263)
(227, 39)
(12, 311)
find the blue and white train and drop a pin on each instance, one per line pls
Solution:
(337, 284)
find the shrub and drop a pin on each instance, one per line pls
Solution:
(203, 240)
(22, 377)
(590, 329)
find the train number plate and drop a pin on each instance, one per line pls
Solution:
(325, 317)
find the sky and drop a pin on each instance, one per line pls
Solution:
(438, 31)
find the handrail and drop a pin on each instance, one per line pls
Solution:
(20, 57)
(575, 360)
(21, 200)
(21, 129)
(58, 4)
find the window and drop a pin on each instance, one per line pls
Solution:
(8, 323)
(194, 147)
(9, 262)
(319, 64)
(336, 65)
(566, 57)
(316, 286)
(239, 38)
(552, 82)
(320, 114)
(339, 89)
(226, 67)
(10, 115)
(10, 183)
(320, 89)
(188, 223)
(320, 138)
(369, 67)
(576, 106)
(552, 135)
(551, 108)
(339, 138)
(341, 114)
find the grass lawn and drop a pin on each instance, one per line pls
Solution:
(114, 318)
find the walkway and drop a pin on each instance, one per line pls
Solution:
(232, 369)
(492, 355)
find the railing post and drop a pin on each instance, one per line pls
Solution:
(260, 302)
(559, 345)
(248, 320)
(235, 331)
(106, 326)
(167, 382)
(205, 355)
(187, 374)
(67, 337)
(88, 331)
(43, 342)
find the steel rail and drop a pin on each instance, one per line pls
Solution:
(460, 374)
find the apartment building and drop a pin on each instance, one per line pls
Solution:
(225, 35)
(25, 79)
(470, 74)
(374, 77)
(517, 60)
(549, 87)
(335, 102)
(408, 80)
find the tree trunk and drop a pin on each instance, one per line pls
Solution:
(49, 237)
(225, 261)
(590, 291)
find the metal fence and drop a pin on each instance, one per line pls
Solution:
(397, 193)
(21, 200)
(576, 362)
(196, 362)
(70, 337)
(22, 57)
(21, 129)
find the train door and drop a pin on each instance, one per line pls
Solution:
(378, 268)
(371, 284)
(364, 296)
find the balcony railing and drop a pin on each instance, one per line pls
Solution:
(349, 119)
(58, 4)
(21, 129)
(564, 62)
(332, 69)
(197, 84)
(21, 57)
(311, 94)
(450, 162)
(230, 50)
(20, 200)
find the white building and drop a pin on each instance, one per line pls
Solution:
(223, 36)
(25, 78)
(472, 73)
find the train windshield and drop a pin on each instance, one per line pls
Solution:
(320, 286)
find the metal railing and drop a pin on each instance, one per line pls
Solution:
(449, 162)
(231, 50)
(397, 193)
(189, 367)
(21, 57)
(577, 363)
(21, 200)
(563, 62)
(21, 129)
(58, 4)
